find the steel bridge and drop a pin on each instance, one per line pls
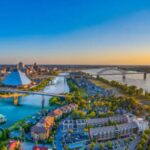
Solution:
(120, 72)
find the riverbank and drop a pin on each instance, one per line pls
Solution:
(107, 87)
(101, 84)
(74, 88)
(42, 85)
(125, 90)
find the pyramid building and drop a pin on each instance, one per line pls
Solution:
(17, 79)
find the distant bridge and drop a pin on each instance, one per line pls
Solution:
(120, 72)
(107, 74)
(30, 92)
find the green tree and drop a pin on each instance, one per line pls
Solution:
(51, 139)
(143, 141)
(147, 131)
(92, 115)
(5, 134)
(109, 143)
(66, 147)
(69, 98)
(101, 146)
(76, 114)
(92, 145)
(140, 147)
(4, 148)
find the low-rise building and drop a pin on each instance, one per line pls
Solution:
(41, 131)
(56, 113)
(68, 108)
(141, 122)
(13, 145)
(80, 124)
(105, 121)
(112, 132)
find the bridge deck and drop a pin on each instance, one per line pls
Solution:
(31, 92)
(105, 74)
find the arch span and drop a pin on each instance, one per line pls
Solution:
(102, 71)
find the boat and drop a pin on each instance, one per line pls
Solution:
(2, 119)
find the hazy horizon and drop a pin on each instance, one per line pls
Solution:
(75, 32)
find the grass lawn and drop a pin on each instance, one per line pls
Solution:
(101, 84)
(83, 92)
(73, 87)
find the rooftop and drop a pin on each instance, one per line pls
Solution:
(16, 78)
(95, 131)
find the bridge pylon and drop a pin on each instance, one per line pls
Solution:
(98, 76)
(124, 77)
(43, 102)
(16, 100)
(145, 75)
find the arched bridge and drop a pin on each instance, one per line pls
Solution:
(120, 71)
(103, 72)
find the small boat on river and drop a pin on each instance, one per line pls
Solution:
(2, 119)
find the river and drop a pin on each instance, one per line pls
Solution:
(131, 79)
(29, 105)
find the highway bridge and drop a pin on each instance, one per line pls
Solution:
(108, 74)
(103, 72)
(4, 90)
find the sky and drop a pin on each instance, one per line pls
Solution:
(75, 32)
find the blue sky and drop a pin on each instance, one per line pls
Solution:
(75, 31)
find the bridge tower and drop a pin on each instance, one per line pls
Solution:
(98, 76)
(16, 100)
(124, 77)
(43, 101)
(145, 75)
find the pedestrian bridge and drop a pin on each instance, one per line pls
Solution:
(4, 90)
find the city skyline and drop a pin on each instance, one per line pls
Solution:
(75, 32)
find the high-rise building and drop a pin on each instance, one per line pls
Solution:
(20, 66)
(35, 66)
